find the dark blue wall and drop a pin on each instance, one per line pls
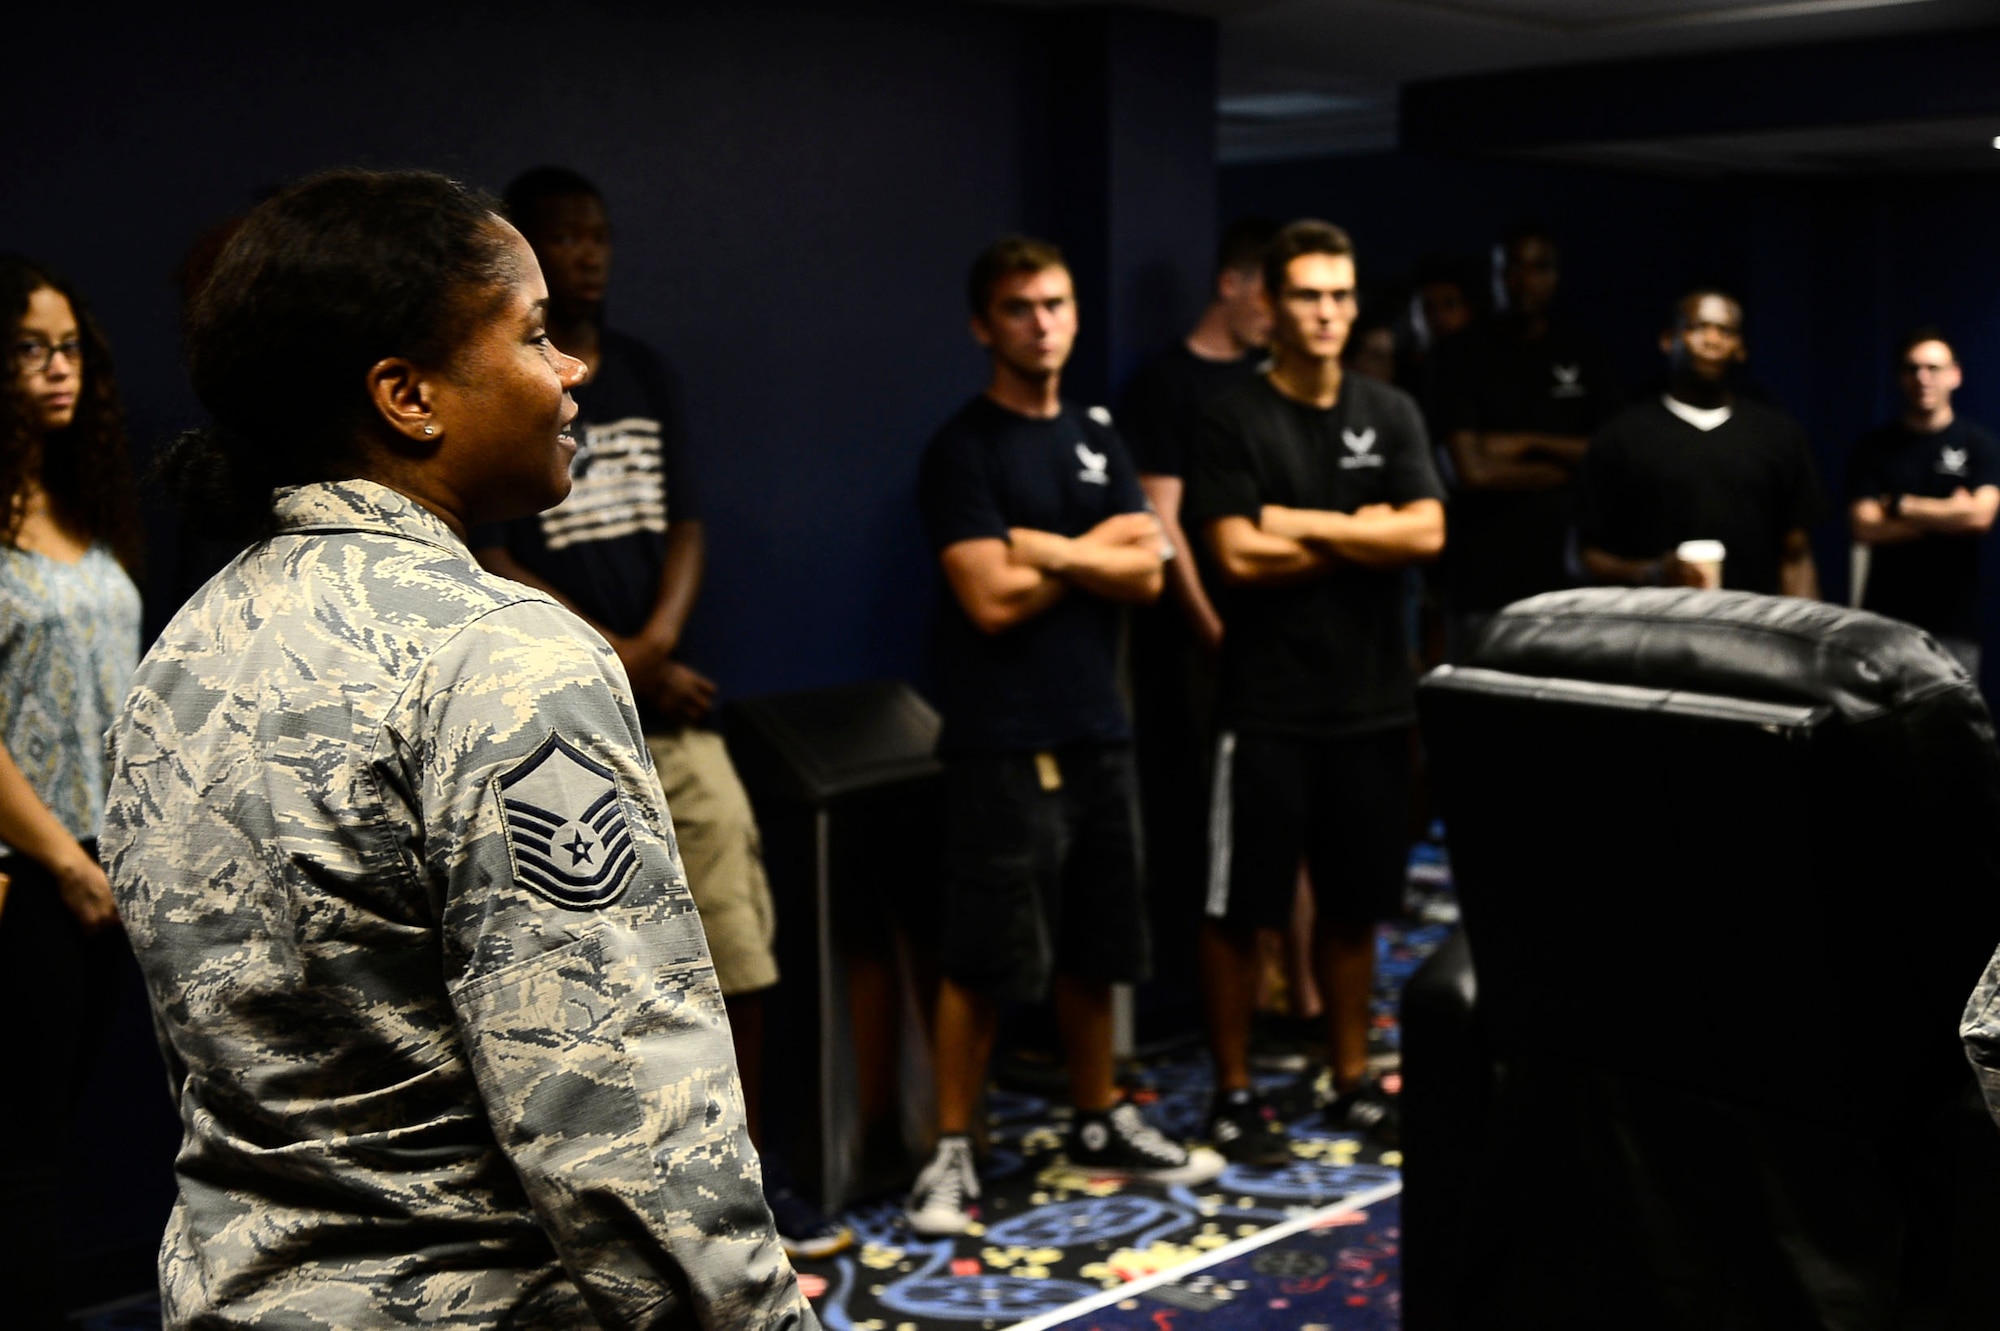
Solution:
(796, 191)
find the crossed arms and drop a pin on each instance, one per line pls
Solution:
(1515, 460)
(1965, 512)
(1001, 583)
(1293, 544)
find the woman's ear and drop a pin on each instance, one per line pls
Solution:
(403, 397)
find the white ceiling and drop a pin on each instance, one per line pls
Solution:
(1305, 77)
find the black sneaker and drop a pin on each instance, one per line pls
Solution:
(1371, 1110)
(1246, 1130)
(941, 1202)
(806, 1232)
(1121, 1141)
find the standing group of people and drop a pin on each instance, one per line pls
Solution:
(1301, 492)
(462, 1023)
(1265, 478)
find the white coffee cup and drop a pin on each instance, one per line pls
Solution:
(1706, 556)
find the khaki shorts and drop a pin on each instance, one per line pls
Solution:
(721, 854)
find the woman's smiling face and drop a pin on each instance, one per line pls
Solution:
(503, 407)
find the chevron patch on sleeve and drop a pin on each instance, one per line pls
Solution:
(566, 829)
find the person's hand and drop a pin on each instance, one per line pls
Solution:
(641, 658)
(1276, 520)
(1208, 633)
(682, 693)
(86, 891)
(1678, 572)
(1031, 547)
(1135, 528)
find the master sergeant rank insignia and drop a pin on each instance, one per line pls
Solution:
(566, 830)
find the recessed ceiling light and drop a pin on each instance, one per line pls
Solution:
(1996, 140)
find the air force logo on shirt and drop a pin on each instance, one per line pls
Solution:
(1952, 461)
(1569, 381)
(566, 830)
(1360, 449)
(1094, 465)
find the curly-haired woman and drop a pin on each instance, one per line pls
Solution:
(69, 637)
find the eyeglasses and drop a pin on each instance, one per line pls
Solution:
(34, 356)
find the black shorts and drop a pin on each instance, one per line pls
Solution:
(1343, 804)
(1040, 880)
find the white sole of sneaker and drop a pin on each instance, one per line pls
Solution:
(936, 1226)
(1202, 1165)
(812, 1250)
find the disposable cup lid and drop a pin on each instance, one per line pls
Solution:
(1702, 552)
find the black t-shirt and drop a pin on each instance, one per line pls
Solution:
(1491, 378)
(1050, 680)
(1933, 581)
(604, 545)
(1329, 656)
(1652, 480)
(1158, 419)
(1162, 407)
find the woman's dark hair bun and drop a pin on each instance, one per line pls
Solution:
(323, 280)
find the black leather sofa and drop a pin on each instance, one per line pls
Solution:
(1729, 866)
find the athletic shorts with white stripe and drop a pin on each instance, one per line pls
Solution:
(1343, 804)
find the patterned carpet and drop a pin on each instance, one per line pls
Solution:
(1312, 1245)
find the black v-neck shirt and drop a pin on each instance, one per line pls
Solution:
(1652, 480)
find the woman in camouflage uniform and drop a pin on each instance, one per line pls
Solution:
(436, 1005)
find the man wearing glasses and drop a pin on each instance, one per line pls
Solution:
(1923, 489)
(1313, 489)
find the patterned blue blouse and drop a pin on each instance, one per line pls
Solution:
(69, 638)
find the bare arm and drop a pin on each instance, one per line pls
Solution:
(1964, 512)
(1253, 557)
(27, 825)
(1183, 578)
(1873, 525)
(1515, 460)
(680, 582)
(1118, 559)
(1378, 536)
(995, 592)
(1796, 575)
(1666, 570)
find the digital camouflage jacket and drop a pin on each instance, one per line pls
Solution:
(435, 1002)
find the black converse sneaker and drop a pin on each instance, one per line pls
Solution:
(941, 1202)
(1121, 1141)
(1244, 1128)
(1369, 1108)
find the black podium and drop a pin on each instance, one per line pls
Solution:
(844, 785)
